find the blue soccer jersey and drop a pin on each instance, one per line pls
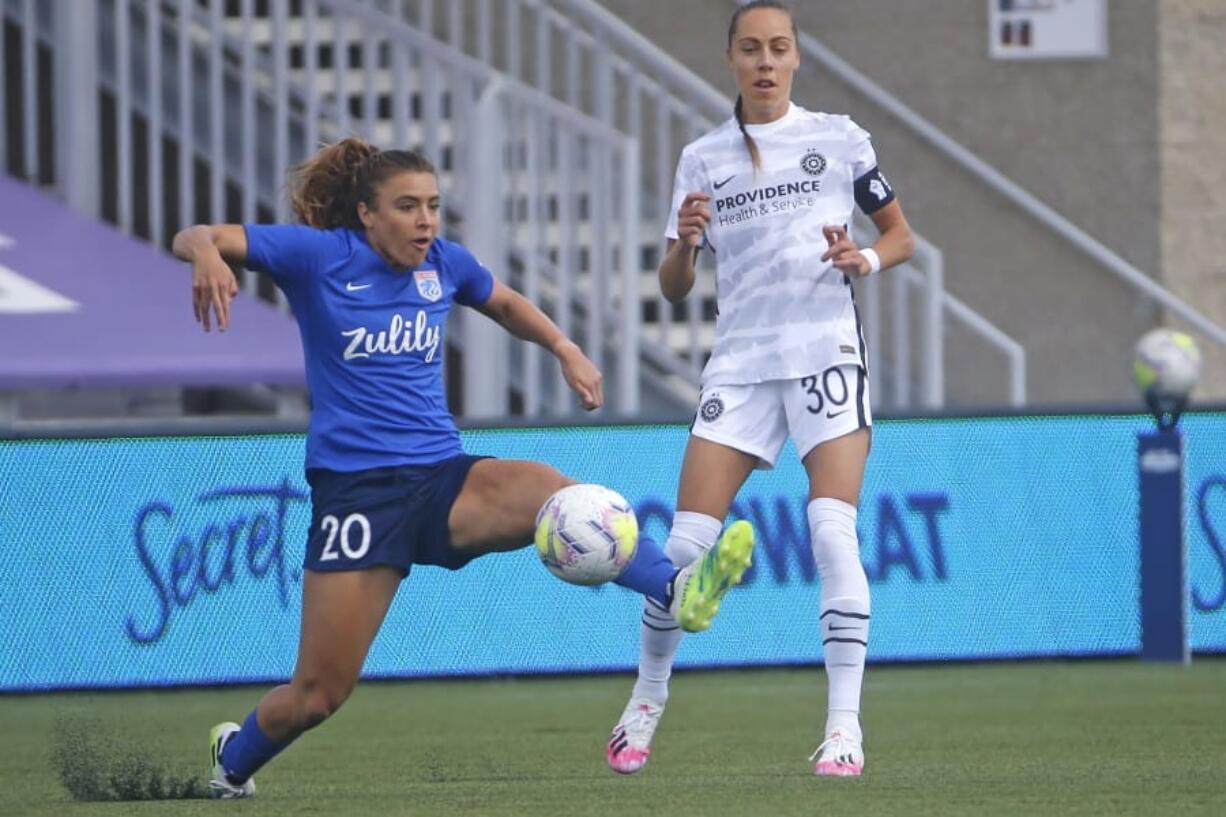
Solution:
(373, 339)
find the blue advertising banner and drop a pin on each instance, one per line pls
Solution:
(164, 561)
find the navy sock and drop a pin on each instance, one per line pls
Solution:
(650, 572)
(247, 751)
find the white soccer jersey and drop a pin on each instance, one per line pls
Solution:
(783, 312)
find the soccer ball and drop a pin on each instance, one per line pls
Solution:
(1166, 364)
(586, 534)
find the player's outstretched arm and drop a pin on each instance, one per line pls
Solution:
(211, 249)
(524, 320)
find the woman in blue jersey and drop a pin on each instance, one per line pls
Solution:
(770, 191)
(371, 284)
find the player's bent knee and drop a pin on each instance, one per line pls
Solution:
(834, 533)
(836, 548)
(541, 482)
(551, 479)
(830, 516)
(691, 535)
(832, 525)
(523, 479)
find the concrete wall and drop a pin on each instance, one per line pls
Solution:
(1081, 135)
(1193, 137)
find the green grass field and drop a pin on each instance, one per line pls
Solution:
(1080, 738)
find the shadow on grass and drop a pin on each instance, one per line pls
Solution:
(96, 763)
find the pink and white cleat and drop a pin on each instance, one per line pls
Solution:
(840, 755)
(630, 744)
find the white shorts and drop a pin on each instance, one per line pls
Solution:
(757, 418)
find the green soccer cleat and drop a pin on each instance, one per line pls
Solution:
(220, 786)
(700, 587)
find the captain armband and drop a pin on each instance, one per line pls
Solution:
(873, 191)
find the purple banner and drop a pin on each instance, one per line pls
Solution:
(83, 305)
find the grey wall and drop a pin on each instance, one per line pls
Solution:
(1081, 135)
(1193, 116)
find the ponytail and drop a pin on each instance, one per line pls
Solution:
(326, 188)
(750, 144)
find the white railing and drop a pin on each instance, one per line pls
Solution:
(518, 137)
(923, 275)
(238, 101)
(664, 105)
(558, 139)
(682, 106)
(589, 59)
(35, 28)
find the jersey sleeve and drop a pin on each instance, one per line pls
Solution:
(690, 178)
(871, 188)
(473, 281)
(290, 253)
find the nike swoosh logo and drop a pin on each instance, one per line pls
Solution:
(718, 185)
(352, 287)
(830, 415)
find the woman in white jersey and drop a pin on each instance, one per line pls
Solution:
(770, 192)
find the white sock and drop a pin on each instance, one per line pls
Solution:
(844, 608)
(692, 535)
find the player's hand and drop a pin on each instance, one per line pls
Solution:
(843, 253)
(213, 288)
(582, 375)
(692, 219)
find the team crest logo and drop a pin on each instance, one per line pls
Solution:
(813, 163)
(711, 408)
(428, 284)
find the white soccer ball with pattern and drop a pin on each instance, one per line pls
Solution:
(1166, 364)
(586, 534)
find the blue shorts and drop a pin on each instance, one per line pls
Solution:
(385, 516)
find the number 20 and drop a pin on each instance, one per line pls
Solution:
(331, 525)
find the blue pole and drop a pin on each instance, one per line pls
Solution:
(1164, 550)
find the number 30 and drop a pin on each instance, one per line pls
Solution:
(823, 392)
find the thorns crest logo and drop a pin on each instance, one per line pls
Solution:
(813, 163)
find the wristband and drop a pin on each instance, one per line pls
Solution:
(874, 260)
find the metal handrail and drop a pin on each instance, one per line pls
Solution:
(909, 276)
(653, 60)
(484, 374)
(689, 94)
(477, 70)
(1015, 351)
(279, 113)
